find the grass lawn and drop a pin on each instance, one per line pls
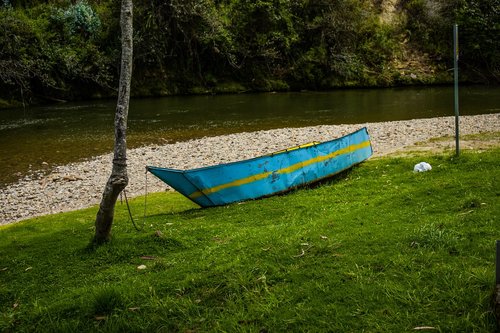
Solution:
(377, 249)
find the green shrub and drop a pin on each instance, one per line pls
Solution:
(82, 19)
(55, 53)
(479, 28)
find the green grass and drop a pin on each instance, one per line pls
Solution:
(377, 249)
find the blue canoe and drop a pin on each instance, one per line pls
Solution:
(270, 174)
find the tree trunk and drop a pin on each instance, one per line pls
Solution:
(118, 179)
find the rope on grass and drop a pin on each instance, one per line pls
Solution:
(145, 204)
(130, 213)
(146, 193)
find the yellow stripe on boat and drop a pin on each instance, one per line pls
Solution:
(290, 169)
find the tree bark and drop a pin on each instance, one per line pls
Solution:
(118, 179)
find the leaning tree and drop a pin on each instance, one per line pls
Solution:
(118, 179)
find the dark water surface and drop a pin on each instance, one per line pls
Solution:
(41, 137)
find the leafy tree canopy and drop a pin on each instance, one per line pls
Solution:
(69, 49)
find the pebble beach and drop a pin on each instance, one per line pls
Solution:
(79, 185)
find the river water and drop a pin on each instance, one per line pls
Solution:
(37, 138)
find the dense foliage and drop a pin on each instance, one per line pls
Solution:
(429, 25)
(66, 49)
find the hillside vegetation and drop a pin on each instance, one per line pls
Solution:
(61, 49)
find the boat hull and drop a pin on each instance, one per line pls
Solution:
(270, 174)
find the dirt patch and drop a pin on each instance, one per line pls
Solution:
(389, 10)
(447, 144)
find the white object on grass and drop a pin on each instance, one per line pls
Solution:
(422, 167)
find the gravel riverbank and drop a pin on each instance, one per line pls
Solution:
(80, 185)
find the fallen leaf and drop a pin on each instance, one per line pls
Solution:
(323, 237)
(15, 305)
(300, 255)
(101, 318)
(148, 258)
(141, 267)
(134, 309)
(423, 328)
(71, 178)
(27, 269)
(4, 269)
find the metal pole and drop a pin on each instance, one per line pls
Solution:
(498, 263)
(455, 74)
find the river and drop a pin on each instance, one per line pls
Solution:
(37, 138)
